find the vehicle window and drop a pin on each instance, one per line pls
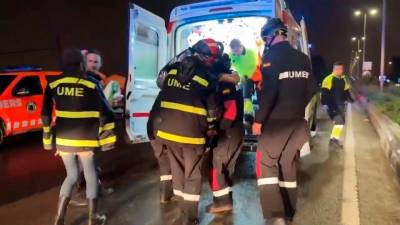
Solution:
(28, 86)
(146, 53)
(5, 80)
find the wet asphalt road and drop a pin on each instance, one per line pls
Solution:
(135, 202)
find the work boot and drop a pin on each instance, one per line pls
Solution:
(61, 210)
(190, 222)
(276, 221)
(219, 207)
(335, 143)
(166, 192)
(94, 217)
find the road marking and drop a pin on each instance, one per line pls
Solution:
(350, 209)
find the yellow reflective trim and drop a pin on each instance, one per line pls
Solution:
(181, 139)
(346, 85)
(200, 80)
(327, 83)
(77, 115)
(226, 91)
(47, 141)
(108, 126)
(72, 80)
(184, 108)
(77, 143)
(337, 131)
(108, 140)
(248, 106)
(211, 119)
(173, 72)
(46, 129)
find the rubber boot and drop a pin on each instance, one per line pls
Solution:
(61, 210)
(94, 217)
(166, 192)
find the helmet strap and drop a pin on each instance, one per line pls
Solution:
(269, 44)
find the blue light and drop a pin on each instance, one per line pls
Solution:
(20, 68)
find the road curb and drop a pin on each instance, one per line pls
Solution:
(389, 136)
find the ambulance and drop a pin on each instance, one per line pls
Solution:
(152, 43)
(21, 97)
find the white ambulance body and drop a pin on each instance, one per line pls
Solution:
(151, 44)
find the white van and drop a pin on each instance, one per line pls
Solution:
(152, 44)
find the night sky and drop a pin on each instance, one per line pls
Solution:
(33, 32)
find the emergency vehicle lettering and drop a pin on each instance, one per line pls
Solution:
(10, 103)
(70, 91)
(201, 81)
(294, 74)
(175, 83)
(72, 80)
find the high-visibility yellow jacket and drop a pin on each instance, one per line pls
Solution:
(246, 64)
(83, 121)
(335, 91)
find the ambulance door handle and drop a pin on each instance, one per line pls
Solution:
(128, 95)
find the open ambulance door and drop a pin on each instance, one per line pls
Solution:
(147, 55)
(306, 49)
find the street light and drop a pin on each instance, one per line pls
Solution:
(353, 39)
(383, 42)
(358, 13)
(373, 12)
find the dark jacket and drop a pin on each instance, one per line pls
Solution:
(288, 84)
(335, 92)
(231, 100)
(83, 122)
(154, 119)
(185, 109)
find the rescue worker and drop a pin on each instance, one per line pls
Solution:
(230, 138)
(187, 112)
(93, 62)
(160, 152)
(82, 126)
(246, 62)
(335, 93)
(288, 86)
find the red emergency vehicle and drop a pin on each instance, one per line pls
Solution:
(21, 97)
